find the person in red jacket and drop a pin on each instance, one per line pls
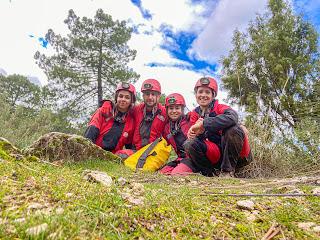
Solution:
(111, 126)
(149, 116)
(216, 143)
(175, 133)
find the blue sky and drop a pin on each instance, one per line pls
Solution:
(176, 41)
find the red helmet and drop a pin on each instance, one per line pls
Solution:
(128, 87)
(151, 84)
(207, 82)
(175, 99)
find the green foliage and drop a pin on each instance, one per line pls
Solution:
(22, 126)
(89, 61)
(273, 70)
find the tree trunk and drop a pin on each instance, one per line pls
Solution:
(99, 76)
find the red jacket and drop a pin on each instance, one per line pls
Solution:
(176, 135)
(147, 128)
(108, 131)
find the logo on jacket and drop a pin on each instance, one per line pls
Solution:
(125, 134)
(161, 117)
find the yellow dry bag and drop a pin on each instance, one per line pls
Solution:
(151, 157)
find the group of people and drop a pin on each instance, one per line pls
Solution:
(208, 140)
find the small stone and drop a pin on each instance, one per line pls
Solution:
(97, 176)
(69, 194)
(213, 218)
(35, 206)
(135, 201)
(316, 190)
(306, 225)
(59, 210)
(137, 188)
(19, 220)
(35, 231)
(122, 181)
(316, 229)
(245, 204)
(194, 183)
(295, 191)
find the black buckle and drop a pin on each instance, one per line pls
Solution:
(204, 81)
(147, 86)
(171, 100)
(125, 85)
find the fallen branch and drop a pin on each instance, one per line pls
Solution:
(259, 194)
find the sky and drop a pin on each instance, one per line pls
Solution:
(177, 41)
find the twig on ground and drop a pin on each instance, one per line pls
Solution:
(272, 232)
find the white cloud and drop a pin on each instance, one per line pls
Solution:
(215, 39)
(19, 18)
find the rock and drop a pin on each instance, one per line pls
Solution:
(57, 146)
(316, 190)
(295, 191)
(137, 188)
(122, 181)
(245, 204)
(97, 176)
(69, 194)
(35, 206)
(316, 229)
(35, 231)
(19, 220)
(135, 201)
(213, 218)
(306, 225)
(59, 210)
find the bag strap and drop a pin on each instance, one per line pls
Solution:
(142, 159)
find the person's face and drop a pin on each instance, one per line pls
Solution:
(123, 100)
(174, 111)
(204, 96)
(150, 98)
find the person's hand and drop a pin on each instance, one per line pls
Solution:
(196, 129)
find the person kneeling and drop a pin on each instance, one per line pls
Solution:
(216, 144)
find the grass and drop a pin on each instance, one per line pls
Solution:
(173, 207)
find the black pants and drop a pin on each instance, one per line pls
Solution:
(231, 146)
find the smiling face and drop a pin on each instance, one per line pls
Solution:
(174, 111)
(151, 98)
(123, 100)
(204, 96)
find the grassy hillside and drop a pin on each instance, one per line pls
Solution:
(47, 201)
